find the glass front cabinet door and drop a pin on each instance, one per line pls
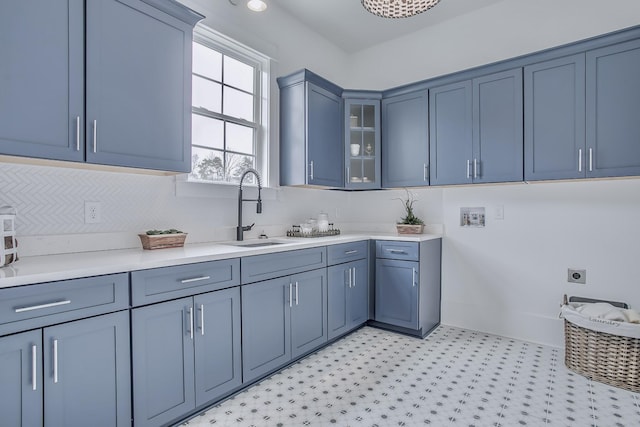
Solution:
(362, 140)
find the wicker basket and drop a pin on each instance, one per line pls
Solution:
(609, 359)
(162, 241)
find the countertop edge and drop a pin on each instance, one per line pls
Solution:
(51, 268)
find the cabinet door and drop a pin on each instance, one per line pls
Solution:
(88, 374)
(358, 299)
(613, 102)
(450, 138)
(218, 355)
(362, 143)
(138, 69)
(397, 292)
(497, 127)
(42, 84)
(405, 140)
(554, 119)
(163, 362)
(338, 286)
(266, 318)
(308, 311)
(21, 379)
(324, 137)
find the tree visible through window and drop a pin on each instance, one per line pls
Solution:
(225, 115)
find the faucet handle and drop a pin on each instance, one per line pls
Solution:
(248, 227)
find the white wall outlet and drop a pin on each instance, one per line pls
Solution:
(498, 212)
(92, 212)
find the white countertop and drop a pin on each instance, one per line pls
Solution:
(48, 268)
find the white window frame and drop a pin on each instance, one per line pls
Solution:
(261, 63)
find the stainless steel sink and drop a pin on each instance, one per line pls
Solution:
(254, 244)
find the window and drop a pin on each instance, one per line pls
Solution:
(228, 114)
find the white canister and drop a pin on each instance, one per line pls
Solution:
(355, 149)
(323, 222)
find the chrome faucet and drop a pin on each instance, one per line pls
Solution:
(240, 229)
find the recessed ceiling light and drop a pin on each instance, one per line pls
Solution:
(256, 5)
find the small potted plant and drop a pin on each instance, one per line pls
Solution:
(410, 223)
(161, 239)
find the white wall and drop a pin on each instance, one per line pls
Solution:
(500, 31)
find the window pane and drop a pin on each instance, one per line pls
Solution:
(207, 132)
(238, 104)
(207, 94)
(239, 138)
(207, 164)
(238, 74)
(237, 164)
(207, 62)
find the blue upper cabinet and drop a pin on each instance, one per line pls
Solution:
(450, 123)
(497, 127)
(362, 140)
(42, 79)
(137, 74)
(554, 112)
(310, 131)
(405, 140)
(612, 106)
(476, 131)
(139, 84)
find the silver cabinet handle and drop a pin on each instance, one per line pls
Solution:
(195, 279)
(95, 136)
(311, 170)
(468, 169)
(296, 293)
(34, 367)
(414, 276)
(397, 251)
(353, 272)
(290, 295)
(190, 311)
(424, 171)
(579, 159)
(349, 276)
(590, 159)
(77, 133)
(348, 175)
(41, 306)
(475, 168)
(351, 252)
(201, 319)
(55, 361)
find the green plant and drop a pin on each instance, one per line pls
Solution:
(157, 232)
(409, 218)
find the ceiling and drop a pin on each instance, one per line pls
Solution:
(348, 25)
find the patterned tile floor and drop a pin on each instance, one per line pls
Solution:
(454, 377)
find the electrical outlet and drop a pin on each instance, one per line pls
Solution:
(577, 276)
(92, 212)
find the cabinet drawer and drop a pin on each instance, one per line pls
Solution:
(161, 284)
(397, 250)
(269, 266)
(34, 306)
(346, 252)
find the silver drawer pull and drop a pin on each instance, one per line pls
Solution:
(351, 252)
(195, 279)
(397, 251)
(41, 306)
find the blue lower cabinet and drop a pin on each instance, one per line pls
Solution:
(87, 374)
(281, 319)
(185, 354)
(21, 379)
(348, 292)
(397, 292)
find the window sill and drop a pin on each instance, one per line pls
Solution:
(218, 190)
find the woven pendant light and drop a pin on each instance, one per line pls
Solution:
(398, 8)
